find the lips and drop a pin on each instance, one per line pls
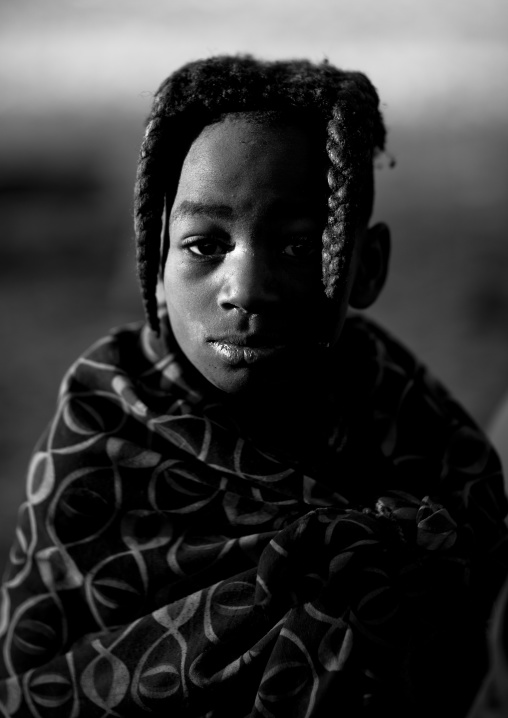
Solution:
(236, 350)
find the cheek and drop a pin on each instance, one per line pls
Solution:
(178, 298)
(188, 302)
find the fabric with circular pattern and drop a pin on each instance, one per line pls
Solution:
(165, 564)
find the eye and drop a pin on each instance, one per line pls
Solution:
(206, 247)
(302, 247)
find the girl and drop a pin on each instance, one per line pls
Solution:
(254, 505)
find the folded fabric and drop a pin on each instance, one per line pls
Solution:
(164, 563)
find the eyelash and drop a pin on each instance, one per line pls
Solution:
(193, 244)
(306, 242)
(196, 243)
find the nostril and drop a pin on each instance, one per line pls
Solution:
(250, 302)
(229, 306)
(251, 287)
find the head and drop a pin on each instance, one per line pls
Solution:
(264, 174)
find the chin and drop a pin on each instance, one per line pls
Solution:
(256, 382)
(237, 382)
(242, 374)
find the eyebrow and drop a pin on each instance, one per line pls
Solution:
(280, 208)
(188, 208)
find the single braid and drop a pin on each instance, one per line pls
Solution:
(148, 206)
(344, 104)
(350, 146)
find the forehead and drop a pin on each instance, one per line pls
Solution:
(240, 155)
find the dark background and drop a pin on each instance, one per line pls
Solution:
(75, 85)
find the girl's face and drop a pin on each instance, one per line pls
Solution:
(242, 278)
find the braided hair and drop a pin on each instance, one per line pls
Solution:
(344, 104)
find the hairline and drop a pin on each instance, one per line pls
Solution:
(304, 119)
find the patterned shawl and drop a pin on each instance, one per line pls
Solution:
(164, 564)
(492, 699)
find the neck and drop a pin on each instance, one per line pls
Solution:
(291, 419)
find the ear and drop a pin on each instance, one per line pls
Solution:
(371, 266)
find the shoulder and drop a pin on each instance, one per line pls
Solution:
(396, 384)
(117, 390)
(422, 429)
(392, 373)
(135, 366)
(365, 338)
(381, 371)
(119, 352)
(109, 402)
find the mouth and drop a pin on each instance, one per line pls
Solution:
(238, 350)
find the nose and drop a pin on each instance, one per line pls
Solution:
(250, 282)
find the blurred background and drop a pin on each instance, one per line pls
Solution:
(76, 82)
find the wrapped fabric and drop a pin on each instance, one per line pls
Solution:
(165, 564)
(491, 700)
